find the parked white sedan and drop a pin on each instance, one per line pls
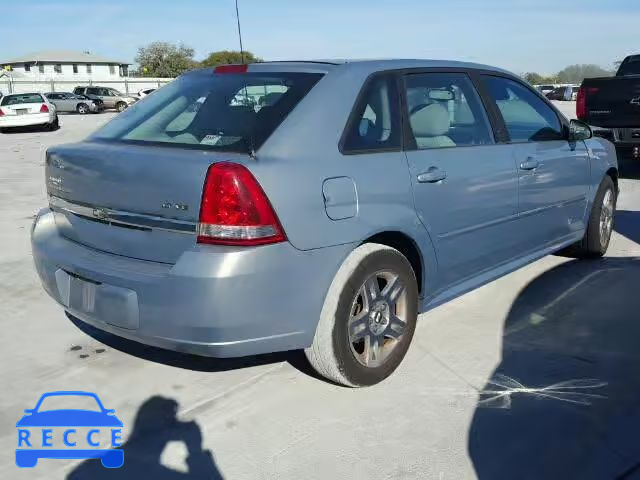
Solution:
(24, 109)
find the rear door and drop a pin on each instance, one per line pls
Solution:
(464, 183)
(553, 174)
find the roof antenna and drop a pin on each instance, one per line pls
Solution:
(239, 32)
(252, 150)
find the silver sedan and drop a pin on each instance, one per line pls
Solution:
(70, 102)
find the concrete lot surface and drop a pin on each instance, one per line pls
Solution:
(534, 376)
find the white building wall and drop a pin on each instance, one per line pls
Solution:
(98, 72)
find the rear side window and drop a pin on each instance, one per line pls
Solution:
(527, 117)
(21, 98)
(444, 110)
(226, 111)
(374, 123)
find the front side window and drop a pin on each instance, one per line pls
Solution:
(93, 91)
(375, 124)
(226, 111)
(444, 110)
(527, 117)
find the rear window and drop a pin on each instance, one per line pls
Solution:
(631, 66)
(22, 98)
(229, 112)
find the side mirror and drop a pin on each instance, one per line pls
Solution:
(579, 131)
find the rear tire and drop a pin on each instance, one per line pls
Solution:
(368, 318)
(601, 221)
(121, 106)
(82, 108)
(53, 126)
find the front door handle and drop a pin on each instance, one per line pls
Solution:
(529, 164)
(432, 175)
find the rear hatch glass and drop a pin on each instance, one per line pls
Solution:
(134, 188)
(233, 112)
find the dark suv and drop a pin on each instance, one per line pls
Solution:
(110, 97)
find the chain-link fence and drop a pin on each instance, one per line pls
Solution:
(128, 85)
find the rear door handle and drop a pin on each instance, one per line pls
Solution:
(432, 175)
(529, 164)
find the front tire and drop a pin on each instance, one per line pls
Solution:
(82, 108)
(368, 318)
(121, 106)
(601, 220)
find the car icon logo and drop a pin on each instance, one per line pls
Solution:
(63, 433)
(635, 101)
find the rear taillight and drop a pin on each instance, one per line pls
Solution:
(44, 109)
(232, 68)
(581, 101)
(1, 113)
(235, 209)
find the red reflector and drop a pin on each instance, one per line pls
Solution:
(232, 68)
(44, 109)
(235, 210)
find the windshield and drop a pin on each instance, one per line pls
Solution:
(230, 112)
(69, 402)
(21, 98)
(631, 66)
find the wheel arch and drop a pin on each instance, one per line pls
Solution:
(405, 245)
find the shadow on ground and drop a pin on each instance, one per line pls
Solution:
(154, 427)
(565, 400)
(295, 358)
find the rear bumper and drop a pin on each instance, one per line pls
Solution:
(214, 301)
(26, 120)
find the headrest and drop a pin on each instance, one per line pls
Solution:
(430, 121)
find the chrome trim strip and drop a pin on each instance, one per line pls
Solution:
(115, 217)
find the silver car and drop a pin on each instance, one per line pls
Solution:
(325, 217)
(70, 102)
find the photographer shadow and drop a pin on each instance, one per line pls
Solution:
(565, 400)
(155, 426)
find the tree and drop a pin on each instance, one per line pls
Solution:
(577, 73)
(536, 79)
(225, 57)
(161, 59)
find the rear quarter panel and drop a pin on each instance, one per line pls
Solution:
(303, 152)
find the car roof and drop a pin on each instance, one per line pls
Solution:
(372, 65)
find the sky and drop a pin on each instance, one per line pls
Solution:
(519, 35)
